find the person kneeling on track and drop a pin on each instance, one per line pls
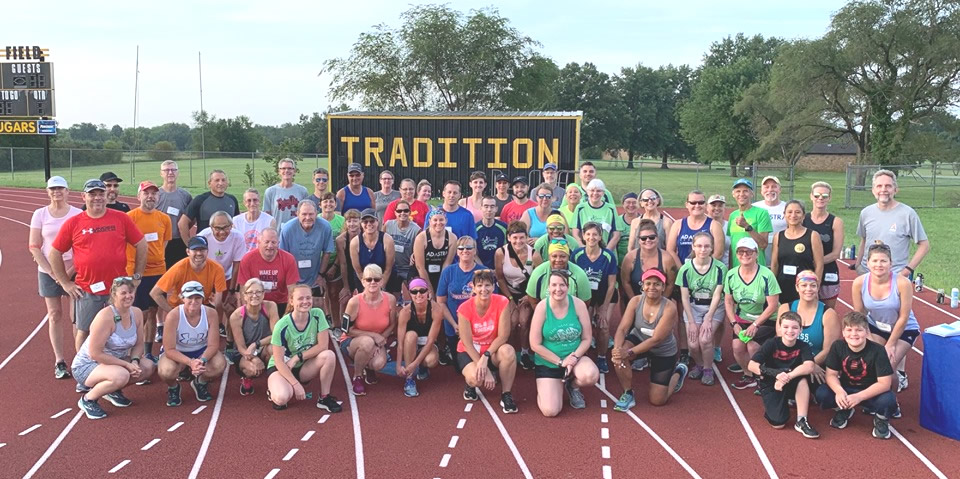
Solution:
(101, 366)
(252, 325)
(191, 341)
(560, 336)
(418, 325)
(365, 337)
(652, 338)
(783, 364)
(484, 326)
(858, 372)
(300, 352)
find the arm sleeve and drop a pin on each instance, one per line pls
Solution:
(763, 223)
(805, 353)
(219, 279)
(167, 227)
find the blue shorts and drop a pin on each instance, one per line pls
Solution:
(908, 335)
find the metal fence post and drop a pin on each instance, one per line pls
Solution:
(846, 189)
(71, 165)
(11, 164)
(698, 176)
(253, 168)
(933, 199)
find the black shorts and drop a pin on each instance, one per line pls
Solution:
(141, 298)
(908, 335)
(764, 331)
(463, 359)
(661, 367)
(597, 298)
(549, 372)
(395, 285)
(317, 292)
(282, 309)
(295, 371)
(775, 408)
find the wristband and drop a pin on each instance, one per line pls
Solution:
(135, 358)
(909, 269)
(203, 360)
(300, 356)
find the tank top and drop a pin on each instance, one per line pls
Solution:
(422, 328)
(812, 334)
(560, 335)
(831, 273)
(473, 208)
(517, 277)
(883, 313)
(433, 258)
(356, 202)
(254, 331)
(374, 319)
(192, 338)
(375, 255)
(643, 329)
(637, 273)
(537, 228)
(118, 343)
(685, 238)
(793, 256)
(661, 235)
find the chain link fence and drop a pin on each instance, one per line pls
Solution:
(934, 185)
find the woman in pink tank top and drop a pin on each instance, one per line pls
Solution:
(369, 320)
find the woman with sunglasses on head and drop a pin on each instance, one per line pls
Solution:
(701, 291)
(648, 256)
(557, 228)
(536, 218)
(109, 359)
(373, 247)
(372, 318)
(600, 265)
(386, 194)
(418, 326)
(560, 337)
(350, 281)
(830, 229)
(454, 287)
(820, 326)
(252, 325)
(478, 183)
(434, 249)
(795, 249)
(515, 265)
(650, 202)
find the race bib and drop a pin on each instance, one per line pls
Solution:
(476, 346)
(173, 211)
(433, 268)
(449, 228)
(702, 295)
(790, 269)
(831, 277)
(594, 285)
(646, 331)
(97, 287)
(884, 327)
(605, 226)
(422, 340)
(304, 263)
(269, 285)
(398, 248)
(151, 237)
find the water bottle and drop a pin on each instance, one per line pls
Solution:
(853, 251)
(940, 296)
(918, 283)
(954, 298)
(308, 395)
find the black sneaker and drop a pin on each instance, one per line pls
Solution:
(526, 361)
(173, 396)
(881, 428)
(185, 375)
(735, 368)
(444, 358)
(201, 390)
(507, 404)
(804, 427)
(60, 371)
(91, 408)
(118, 399)
(841, 418)
(470, 393)
(370, 376)
(329, 403)
(82, 389)
(685, 359)
(223, 331)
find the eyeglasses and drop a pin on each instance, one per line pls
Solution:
(170, 170)
(400, 211)
(648, 237)
(746, 252)
(220, 228)
(555, 228)
(286, 168)
(419, 291)
(544, 196)
(320, 180)
(386, 178)
(880, 246)
(256, 292)
(464, 248)
(697, 203)
(371, 280)
(818, 196)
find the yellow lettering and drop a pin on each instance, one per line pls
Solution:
(528, 161)
(350, 140)
(416, 152)
(31, 127)
(371, 150)
(497, 143)
(473, 142)
(398, 153)
(548, 155)
(446, 163)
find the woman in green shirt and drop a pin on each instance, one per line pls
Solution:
(701, 291)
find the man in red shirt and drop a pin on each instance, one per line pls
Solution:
(99, 239)
(277, 269)
(515, 209)
(418, 209)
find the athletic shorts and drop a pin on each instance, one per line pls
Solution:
(142, 297)
(764, 331)
(549, 372)
(700, 312)
(345, 345)
(829, 291)
(395, 284)
(775, 408)
(86, 308)
(597, 298)
(463, 359)
(908, 335)
(661, 367)
(295, 371)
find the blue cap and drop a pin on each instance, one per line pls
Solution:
(550, 166)
(197, 242)
(743, 181)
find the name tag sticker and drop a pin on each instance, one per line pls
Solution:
(304, 263)
(449, 228)
(433, 268)
(702, 295)
(646, 331)
(884, 327)
(831, 277)
(398, 248)
(605, 226)
(97, 287)
(173, 211)
(151, 237)
(594, 285)
(269, 285)
(790, 269)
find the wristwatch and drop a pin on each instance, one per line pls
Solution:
(137, 276)
(487, 354)
(748, 228)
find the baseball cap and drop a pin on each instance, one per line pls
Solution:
(191, 288)
(502, 177)
(550, 166)
(147, 184)
(368, 213)
(716, 198)
(653, 273)
(748, 243)
(197, 242)
(110, 176)
(520, 179)
(354, 168)
(56, 182)
(767, 178)
(743, 181)
(93, 184)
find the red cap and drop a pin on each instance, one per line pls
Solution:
(655, 273)
(147, 184)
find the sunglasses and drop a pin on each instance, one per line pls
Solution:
(121, 279)
(256, 292)
(399, 211)
(545, 196)
(880, 246)
(220, 228)
(558, 241)
(464, 248)
(419, 291)
(320, 180)
(647, 237)
(191, 289)
(818, 196)
(555, 228)
(697, 203)
(644, 200)
(746, 252)
(371, 280)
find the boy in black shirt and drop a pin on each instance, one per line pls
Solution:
(783, 364)
(858, 372)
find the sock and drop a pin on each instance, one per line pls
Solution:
(148, 347)
(684, 352)
(201, 381)
(902, 373)
(801, 417)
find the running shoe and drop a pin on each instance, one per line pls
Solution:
(60, 371)
(696, 372)
(329, 403)
(577, 400)
(200, 389)
(602, 365)
(881, 428)
(526, 361)
(507, 404)
(639, 364)
(756, 390)
(470, 393)
(173, 396)
(143, 382)
(358, 389)
(683, 370)
(118, 399)
(159, 337)
(735, 368)
(685, 358)
(625, 402)
(335, 333)
(902, 381)
(717, 354)
(223, 331)
(151, 357)
(81, 389)
(804, 427)
(276, 407)
(232, 356)
(370, 376)
(423, 373)
(91, 408)
(841, 418)
(185, 375)
(246, 386)
(745, 382)
(444, 358)
(897, 414)
(708, 378)
(410, 388)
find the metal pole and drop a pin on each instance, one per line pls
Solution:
(71, 165)
(846, 189)
(253, 168)
(933, 200)
(46, 157)
(11, 163)
(203, 146)
(136, 99)
(698, 176)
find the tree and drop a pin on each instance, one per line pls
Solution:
(533, 86)
(116, 131)
(313, 131)
(162, 151)
(202, 136)
(587, 89)
(651, 98)
(235, 134)
(438, 58)
(288, 148)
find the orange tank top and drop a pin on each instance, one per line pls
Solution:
(373, 319)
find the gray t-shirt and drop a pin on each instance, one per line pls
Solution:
(897, 228)
(381, 201)
(281, 203)
(205, 205)
(174, 205)
(403, 244)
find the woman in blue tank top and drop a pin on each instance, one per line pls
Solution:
(372, 247)
(820, 326)
(536, 218)
(355, 196)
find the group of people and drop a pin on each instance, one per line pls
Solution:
(510, 281)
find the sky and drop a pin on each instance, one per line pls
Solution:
(264, 59)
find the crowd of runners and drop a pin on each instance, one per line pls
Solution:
(563, 281)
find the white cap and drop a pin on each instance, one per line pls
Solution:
(748, 243)
(768, 178)
(191, 288)
(56, 182)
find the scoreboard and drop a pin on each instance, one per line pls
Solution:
(26, 90)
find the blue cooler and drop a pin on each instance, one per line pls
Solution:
(940, 385)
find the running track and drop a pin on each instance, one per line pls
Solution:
(702, 432)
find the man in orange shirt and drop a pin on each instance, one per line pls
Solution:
(195, 267)
(157, 230)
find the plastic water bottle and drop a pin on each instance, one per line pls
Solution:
(853, 251)
(940, 296)
(954, 298)
(918, 283)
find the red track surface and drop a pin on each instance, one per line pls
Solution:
(402, 437)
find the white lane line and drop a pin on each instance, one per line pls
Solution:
(355, 412)
(29, 430)
(175, 426)
(150, 444)
(61, 413)
(53, 446)
(468, 407)
(462, 422)
(604, 433)
(453, 442)
(657, 438)
(2, 444)
(24, 343)
(445, 460)
(272, 473)
(604, 418)
(211, 426)
(603, 404)
(607, 472)
(605, 452)
(506, 438)
(198, 410)
(306, 437)
(851, 308)
(116, 468)
(917, 453)
(15, 221)
(290, 454)
(323, 419)
(746, 426)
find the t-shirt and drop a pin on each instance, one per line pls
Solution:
(701, 286)
(117, 206)
(293, 340)
(598, 270)
(157, 230)
(756, 217)
(606, 215)
(483, 328)
(225, 252)
(402, 244)
(489, 238)
(99, 247)
(336, 226)
(455, 285)
(858, 370)
(49, 226)
(381, 201)
(418, 212)
(774, 354)
(542, 245)
(316, 201)
(777, 221)
(513, 211)
(307, 247)
(250, 230)
(282, 202)
(459, 222)
(538, 286)
(624, 228)
(897, 228)
(750, 298)
(174, 204)
(276, 275)
(607, 196)
(205, 205)
(210, 276)
(502, 203)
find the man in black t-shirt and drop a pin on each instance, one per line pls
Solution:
(858, 372)
(112, 181)
(203, 206)
(783, 364)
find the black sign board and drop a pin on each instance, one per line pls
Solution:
(26, 103)
(26, 76)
